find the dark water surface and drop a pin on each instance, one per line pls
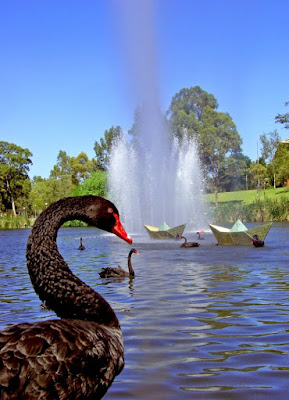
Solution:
(203, 323)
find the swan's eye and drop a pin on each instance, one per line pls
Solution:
(110, 210)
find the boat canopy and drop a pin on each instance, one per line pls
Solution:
(164, 227)
(238, 227)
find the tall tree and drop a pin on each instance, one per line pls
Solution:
(257, 175)
(283, 118)
(281, 161)
(45, 191)
(103, 149)
(62, 166)
(186, 110)
(194, 112)
(268, 150)
(81, 168)
(219, 140)
(14, 166)
(96, 184)
(192, 101)
(234, 174)
(77, 168)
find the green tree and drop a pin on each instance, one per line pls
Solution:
(77, 168)
(103, 149)
(192, 101)
(283, 118)
(268, 150)
(281, 161)
(81, 168)
(219, 139)
(193, 112)
(14, 181)
(62, 166)
(186, 111)
(46, 191)
(96, 184)
(257, 175)
(234, 173)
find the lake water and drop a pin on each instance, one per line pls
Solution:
(203, 323)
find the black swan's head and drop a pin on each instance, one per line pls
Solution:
(104, 215)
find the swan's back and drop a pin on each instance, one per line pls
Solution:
(113, 272)
(65, 359)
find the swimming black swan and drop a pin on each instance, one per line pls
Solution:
(257, 242)
(188, 244)
(199, 236)
(77, 356)
(81, 247)
(110, 272)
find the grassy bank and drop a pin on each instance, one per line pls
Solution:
(9, 222)
(272, 205)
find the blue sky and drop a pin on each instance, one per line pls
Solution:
(66, 75)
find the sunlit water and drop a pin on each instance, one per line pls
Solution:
(203, 323)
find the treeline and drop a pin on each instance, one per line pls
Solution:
(192, 113)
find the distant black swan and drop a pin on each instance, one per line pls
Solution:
(257, 242)
(188, 244)
(118, 271)
(81, 247)
(77, 356)
(199, 236)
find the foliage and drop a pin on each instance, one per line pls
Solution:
(273, 205)
(8, 222)
(269, 147)
(233, 173)
(103, 149)
(14, 180)
(96, 184)
(192, 101)
(186, 110)
(46, 191)
(257, 174)
(247, 196)
(271, 209)
(281, 161)
(219, 139)
(194, 112)
(230, 212)
(283, 118)
(78, 168)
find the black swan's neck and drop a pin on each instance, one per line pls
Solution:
(184, 238)
(51, 277)
(129, 264)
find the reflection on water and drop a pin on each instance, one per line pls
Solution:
(203, 323)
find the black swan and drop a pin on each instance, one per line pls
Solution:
(199, 236)
(117, 272)
(188, 244)
(77, 356)
(81, 247)
(257, 242)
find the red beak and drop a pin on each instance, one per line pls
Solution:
(119, 231)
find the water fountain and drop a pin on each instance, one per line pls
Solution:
(152, 177)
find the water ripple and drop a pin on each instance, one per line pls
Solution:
(206, 323)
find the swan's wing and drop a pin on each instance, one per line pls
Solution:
(59, 359)
(112, 271)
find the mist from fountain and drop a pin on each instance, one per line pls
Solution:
(156, 184)
(152, 177)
